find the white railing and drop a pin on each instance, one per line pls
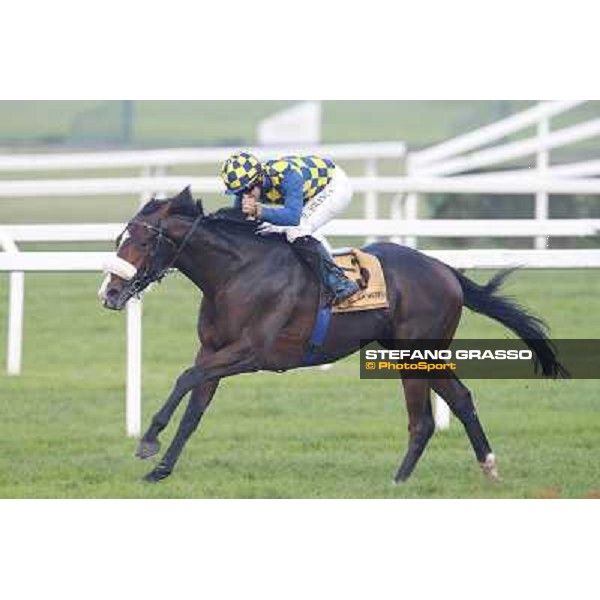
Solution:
(585, 168)
(16, 295)
(447, 228)
(513, 150)
(463, 154)
(460, 259)
(476, 184)
(434, 170)
(491, 133)
(190, 156)
(155, 163)
(19, 262)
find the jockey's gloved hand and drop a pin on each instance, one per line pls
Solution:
(269, 228)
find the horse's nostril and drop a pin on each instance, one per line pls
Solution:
(112, 293)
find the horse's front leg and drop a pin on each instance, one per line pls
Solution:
(197, 406)
(149, 444)
(212, 366)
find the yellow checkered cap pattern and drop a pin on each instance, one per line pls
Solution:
(239, 171)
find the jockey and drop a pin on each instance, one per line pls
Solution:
(295, 196)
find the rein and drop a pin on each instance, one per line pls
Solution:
(149, 275)
(184, 242)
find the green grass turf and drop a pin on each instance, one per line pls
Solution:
(304, 434)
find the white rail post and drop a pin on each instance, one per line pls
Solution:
(16, 294)
(134, 368)
(15, 323)
(398, 202)
(410, 204)
(441, 413)
(160, 171)
(147, 171)
(371, 196)
(542, 162)
(396, 212)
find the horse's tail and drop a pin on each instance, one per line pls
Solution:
(530, 328)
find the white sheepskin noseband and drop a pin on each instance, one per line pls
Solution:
(119, 267)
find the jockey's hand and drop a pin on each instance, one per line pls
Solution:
(250, 206)
(268, 228)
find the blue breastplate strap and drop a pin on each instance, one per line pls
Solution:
(318, 335)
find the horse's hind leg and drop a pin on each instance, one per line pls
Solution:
(458, 397)
(420, 423)
(197, 405)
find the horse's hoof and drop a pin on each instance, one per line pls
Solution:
(147, 448)
(159, 473)
(489, 468)
(400, 478)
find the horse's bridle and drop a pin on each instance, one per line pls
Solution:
(150, 274)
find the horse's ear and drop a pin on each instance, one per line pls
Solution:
(185, 195)
(182, 201)
(199, 206)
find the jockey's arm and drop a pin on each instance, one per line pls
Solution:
(293, 201)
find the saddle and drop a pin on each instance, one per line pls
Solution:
(366, 270)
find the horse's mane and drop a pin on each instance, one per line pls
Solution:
(184, 208)
(232, 219)
(151, 206)
(227, 219)
(231, 215)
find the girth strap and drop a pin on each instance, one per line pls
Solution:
(318, 336)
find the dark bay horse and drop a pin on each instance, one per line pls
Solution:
(259, 307)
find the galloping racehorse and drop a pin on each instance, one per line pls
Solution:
(259, 307)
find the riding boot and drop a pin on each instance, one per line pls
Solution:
(314, 254)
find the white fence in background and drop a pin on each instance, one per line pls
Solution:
(463, 154)
(16, 294)
(155, 163)
(447, 228)
(171, 157)
(439, 169)
(469, 184)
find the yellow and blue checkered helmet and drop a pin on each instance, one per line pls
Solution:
(239, 172)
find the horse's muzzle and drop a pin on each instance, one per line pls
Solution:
(114, 295)
(115, 299)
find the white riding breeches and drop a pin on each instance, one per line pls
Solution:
(319, 210)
